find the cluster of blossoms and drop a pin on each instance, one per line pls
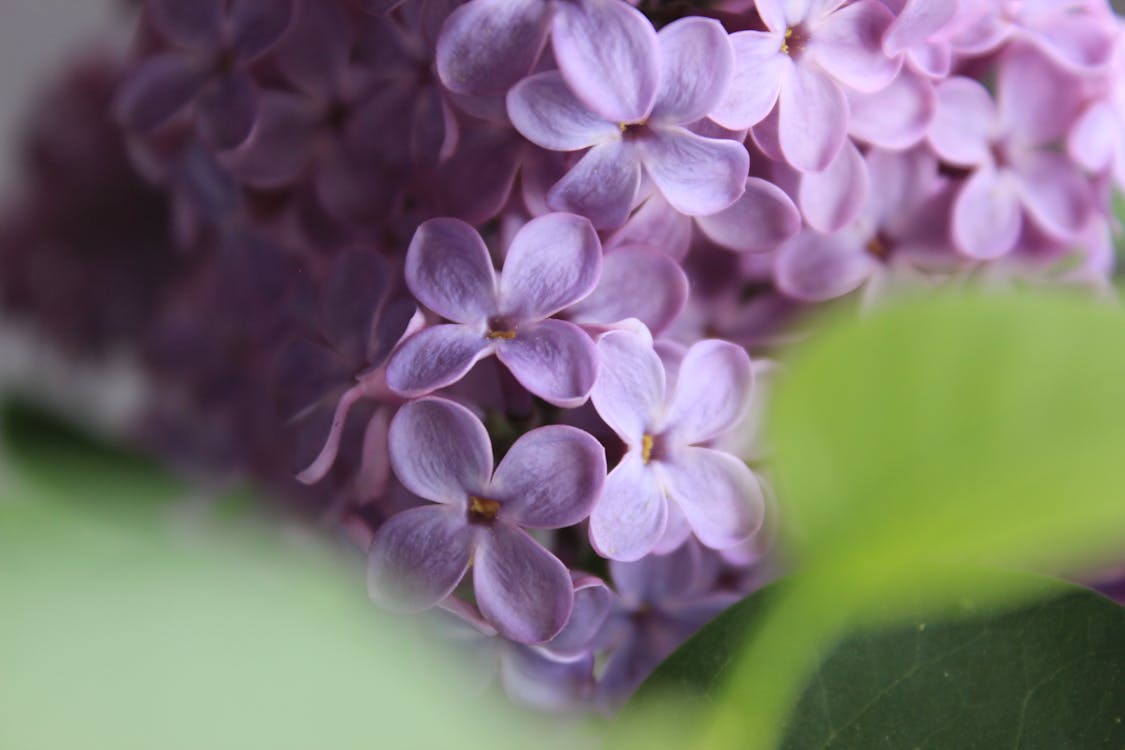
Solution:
(502, 277)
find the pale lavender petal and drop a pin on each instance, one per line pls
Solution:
(896, 117)
(637, 281)
(258, 25)
(631, 515)
(658, 579)
(696, 61)
(697, 175)
(986, 215)
(655, 224)
(440, 451)
(934, 59)
(713, 392)
(314, 54)
(630, 391)
(534, 681)
(157, 90)
(601, 186)
(189, 23)
(760, 221)
(522, 589)
(448, 270)
(817, 267)
(553, 359)
(487, 45)
(434, 358)
(550, 478)
(676, 532)
(543, 109)
(1037, 100)
(226, 109)
(418, 557)
(917, 22)
(755, 80)
(592, 602)
(553, 261)
(718, 494)
(848, 45)
(964, 122)
(776, 16)
(1080, 41)
(832, 198)
(903, 180)
(1096, 137)
(609, 54)
(812, 117)
(1054, 193)
(280, 145)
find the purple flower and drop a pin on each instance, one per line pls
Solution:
(213, 45)
(917, 32)
(1097, 140)
(549, 479)
(553, 262)
(634, 134)
(809, 51)
(668, 484)
(637, 281)
(1009, 145)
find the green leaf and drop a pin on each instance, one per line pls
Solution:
(1047, 675)
(133, 618)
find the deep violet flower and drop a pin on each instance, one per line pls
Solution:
(549, 479)
(212, 45)
(668, 484)
(640, 134)
(802, 63)
(553, 262)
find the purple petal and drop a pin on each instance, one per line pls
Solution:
(986, 215)
(1079, 41)
(676, 532)
(434, 358)
(259, 24)
(440, 451)
(226, 110)
(448, 270)
(817, 267)
(917, 22)
(592, 602)
(964, 122)
(657, 225)
(629, 393)
(488, 45)
(778, 14)
(522, 589)
(1055, 193)
(189, 23)
(696, 61)
(477, 180)
(848, 45)
(352, 295)
(157, 90)
(760, 221)
(831, 199)
(904, 179)
(609, 54)
(553, 261)
(812, 117)
(1096, 137)
(546, 685)
(639, 282)
(314, 54)
(632, 513)
(1037, 101)
(418, 557)
(755, 80)
(601, 186)
(543, 109)
(896, 117)
(718, 494)
(553, 359)
(697, 175)
(713, 391)
(658, 579)
(550, 478)
(280, 145)
(322, 464)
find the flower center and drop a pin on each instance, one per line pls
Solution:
(795, 41)
(631, 130)
(498, 328)
(878, 247)
(647, 441)
(482, 510)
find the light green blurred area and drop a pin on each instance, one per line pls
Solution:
(160, 622)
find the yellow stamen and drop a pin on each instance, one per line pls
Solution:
(785, 44)
(878, 248)
(646, 448)
(482, 509)
(508, 335)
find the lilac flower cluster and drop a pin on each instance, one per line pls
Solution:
(492, 272)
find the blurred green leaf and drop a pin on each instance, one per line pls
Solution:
(154, 623)
(922, 442)
(1048, 675)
